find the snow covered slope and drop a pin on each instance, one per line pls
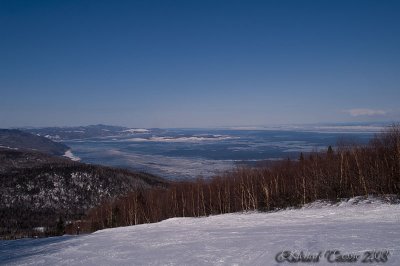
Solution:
(355, 227)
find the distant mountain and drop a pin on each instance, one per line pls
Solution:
(17, 139)
(85, 132)
(36, 189)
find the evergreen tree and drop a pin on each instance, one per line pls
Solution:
(60, 227)
(330, 151)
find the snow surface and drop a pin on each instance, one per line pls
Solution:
(136, 130)
(181, 139)
(353, 226)
(71, 156)
(8, 148)
(56, 137)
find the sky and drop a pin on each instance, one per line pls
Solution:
(198, 63)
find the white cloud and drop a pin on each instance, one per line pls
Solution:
(365, 112)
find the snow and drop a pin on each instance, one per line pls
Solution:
(181, 139)
(354, 226)
(74, 131)
(71, 156)
(56, 137)
(8, 148)
(136, 130)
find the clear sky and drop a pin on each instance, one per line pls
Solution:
(198, 63)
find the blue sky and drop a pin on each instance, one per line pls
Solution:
(198, 63)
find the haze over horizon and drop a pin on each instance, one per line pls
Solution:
(198, 63)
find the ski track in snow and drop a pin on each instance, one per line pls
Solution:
(230, 239)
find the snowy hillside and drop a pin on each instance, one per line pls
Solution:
(36, 189)
(355, 227)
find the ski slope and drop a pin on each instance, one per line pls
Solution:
(352, 227)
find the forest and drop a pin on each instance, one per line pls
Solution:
(40, 193)
(345, 171)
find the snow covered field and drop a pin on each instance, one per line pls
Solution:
(353, 227)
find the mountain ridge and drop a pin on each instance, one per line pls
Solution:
(17, 139)
(38, 186)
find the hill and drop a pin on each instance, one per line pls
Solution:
(17, 139)
(85, 132)
(37, 189)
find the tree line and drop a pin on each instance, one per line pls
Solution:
(348, 170)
